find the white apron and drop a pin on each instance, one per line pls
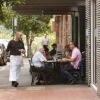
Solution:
(15, 66)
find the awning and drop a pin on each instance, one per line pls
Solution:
(49, 6)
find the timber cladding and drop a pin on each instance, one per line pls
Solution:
(98, 45)
(88, 41)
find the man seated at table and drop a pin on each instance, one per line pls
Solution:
(38, 60)
(74, 63)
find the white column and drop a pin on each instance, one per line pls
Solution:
(92, 45)
(92, 42)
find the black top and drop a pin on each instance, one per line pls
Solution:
(53, 52)
(14, 46)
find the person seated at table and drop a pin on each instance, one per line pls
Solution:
(47, 54)
(54, 49)
(67, 52)
(66, 55)
(66, 48)
(74, 62)
(38, 60)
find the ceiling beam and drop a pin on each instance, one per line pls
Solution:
(55, 2)
(44, 10)
(49, 6)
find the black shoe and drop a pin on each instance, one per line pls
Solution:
(15, 84)
(38, 83)
(43, 83)
(72, 82)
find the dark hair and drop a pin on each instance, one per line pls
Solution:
(45, 48)
(54, 44)
(74, 43)
(67, 47)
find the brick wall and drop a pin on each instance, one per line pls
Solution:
(63, 29)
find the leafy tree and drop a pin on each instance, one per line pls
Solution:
(31, 26)
(8, 3)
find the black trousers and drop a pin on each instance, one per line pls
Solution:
(67, 72)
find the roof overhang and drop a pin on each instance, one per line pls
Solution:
(49, 6)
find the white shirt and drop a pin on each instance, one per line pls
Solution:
(45, 41)
(38, 59)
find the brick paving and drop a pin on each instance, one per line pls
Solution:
(50, 92)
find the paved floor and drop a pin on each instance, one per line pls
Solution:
(51, 92)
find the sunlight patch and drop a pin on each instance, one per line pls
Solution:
(35, 88)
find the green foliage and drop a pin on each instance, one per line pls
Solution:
(8, 3)
(34, 23)
(11, 2)
(8, 15)
(37, 24)
(5, 36)
(37, 41)
(31, 26)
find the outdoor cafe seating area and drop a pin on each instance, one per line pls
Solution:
(56, 77)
